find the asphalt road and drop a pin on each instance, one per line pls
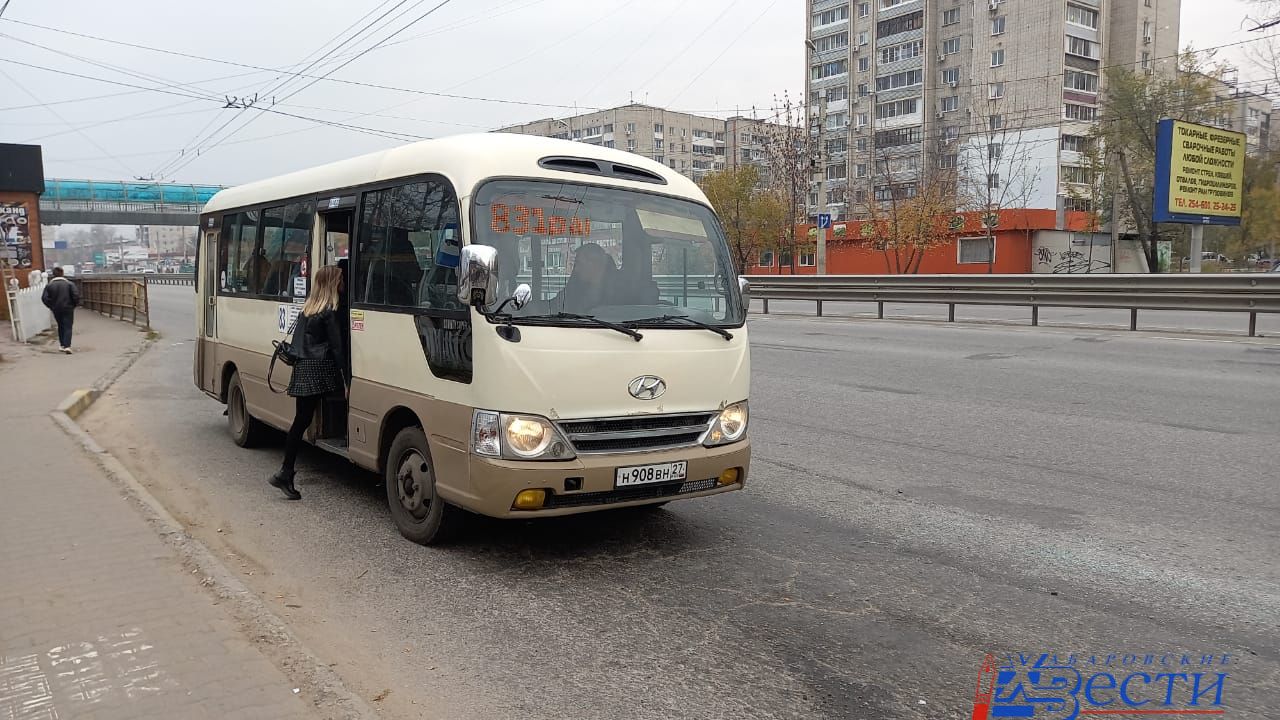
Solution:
(922, 493)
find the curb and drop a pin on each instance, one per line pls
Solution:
(323, 687)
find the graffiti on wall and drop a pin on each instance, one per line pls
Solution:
(1069, 261)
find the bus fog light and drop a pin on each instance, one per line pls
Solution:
(730, 476)
(530, 500)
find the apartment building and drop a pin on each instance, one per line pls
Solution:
(693, 145)
(999, 93)
(1242, 111)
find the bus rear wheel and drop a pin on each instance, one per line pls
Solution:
(418, 512)
(246, 430)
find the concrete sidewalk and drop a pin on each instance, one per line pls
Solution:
(98, 618)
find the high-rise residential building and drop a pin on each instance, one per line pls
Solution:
(999, 93)
(1241, 111)
(692, 145)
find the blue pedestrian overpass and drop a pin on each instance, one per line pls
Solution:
(95, 202)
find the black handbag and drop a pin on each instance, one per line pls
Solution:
(286, 351)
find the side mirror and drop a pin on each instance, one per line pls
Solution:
(744, 290)
(477, 274)
(522, 295)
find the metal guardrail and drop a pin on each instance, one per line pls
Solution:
(124, 296)
(1250, 293)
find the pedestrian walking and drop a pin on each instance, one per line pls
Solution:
(62, 297)
(320, 369)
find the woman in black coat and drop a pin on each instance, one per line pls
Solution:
(321, 367)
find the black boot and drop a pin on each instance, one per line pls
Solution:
(283, 479)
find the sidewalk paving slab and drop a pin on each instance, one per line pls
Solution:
(98, 618)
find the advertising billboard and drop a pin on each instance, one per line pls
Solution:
(1199, 174)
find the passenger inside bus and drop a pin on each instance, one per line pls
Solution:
(592, 282)
(392, 270)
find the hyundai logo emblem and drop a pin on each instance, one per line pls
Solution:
(647, 387)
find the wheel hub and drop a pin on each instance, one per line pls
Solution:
(413, 482)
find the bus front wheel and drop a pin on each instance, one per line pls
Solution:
(419, 513)
(246, 430)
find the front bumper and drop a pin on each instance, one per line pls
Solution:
(495, 483)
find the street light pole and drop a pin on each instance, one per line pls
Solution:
(819, 161)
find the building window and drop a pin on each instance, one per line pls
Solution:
(948, 162)
(404, 234)
(903, 136)
(997, 58)
(1076, 175)
(888, 110)
(905, 23)
(905, 51)
(861, 170)
(995, 122)
(864, 38)
(608, 128)
(994, 151)
(834, 94)
(631, 127)
(951, 46)
(862, 145)
(657, 127)
(836, 145)
(863, 90)
(864, 64)
(766, 258)
(835, 197)
(993, 181)
(832, 42)
(951, 16)
(951, 76)
(833, 15)
(818, 72)
(1075, 143)
(903, 79)
(657, 145)
(837, 172)
(1146, 60)
(1071, 111)
(1080, 81)
(1082, 47)
(951, 133)
(864, 9)
(631, 145)
(995, 90)
(950, 104)
(975, 250)
(997, 25)
(1083, 16)
(807, 259)
(860, 197)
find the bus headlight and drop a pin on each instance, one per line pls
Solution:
(730, 426)
(517, 437)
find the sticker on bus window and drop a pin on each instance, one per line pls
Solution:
(447, 255)
(524, 220)
(300, 287)
(357, 320)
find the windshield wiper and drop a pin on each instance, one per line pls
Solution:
(602, 323)
(667, 318)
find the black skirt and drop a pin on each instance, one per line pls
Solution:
(315, 377)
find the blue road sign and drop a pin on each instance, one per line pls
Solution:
(824, 221)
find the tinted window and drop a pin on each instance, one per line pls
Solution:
(241, 269)
(286, 240)
(408, 243)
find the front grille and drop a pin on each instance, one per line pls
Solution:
(637, 433)
(644, 492)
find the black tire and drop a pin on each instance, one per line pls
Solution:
(246, 430)
(419, 514)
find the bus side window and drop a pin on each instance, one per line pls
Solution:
(401, 233)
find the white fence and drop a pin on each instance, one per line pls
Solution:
(29, 315)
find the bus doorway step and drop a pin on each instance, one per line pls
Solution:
(337, 446)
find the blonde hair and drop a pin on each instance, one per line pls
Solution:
(324, 291)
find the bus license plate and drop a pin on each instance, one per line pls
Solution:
(646, 474)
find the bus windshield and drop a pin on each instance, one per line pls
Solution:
(615, 255)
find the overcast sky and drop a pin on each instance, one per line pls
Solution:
(709, 56)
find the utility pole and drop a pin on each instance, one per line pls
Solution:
(819, 155)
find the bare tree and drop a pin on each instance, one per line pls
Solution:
(997, 168)
(910, 213)
(790, 150)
